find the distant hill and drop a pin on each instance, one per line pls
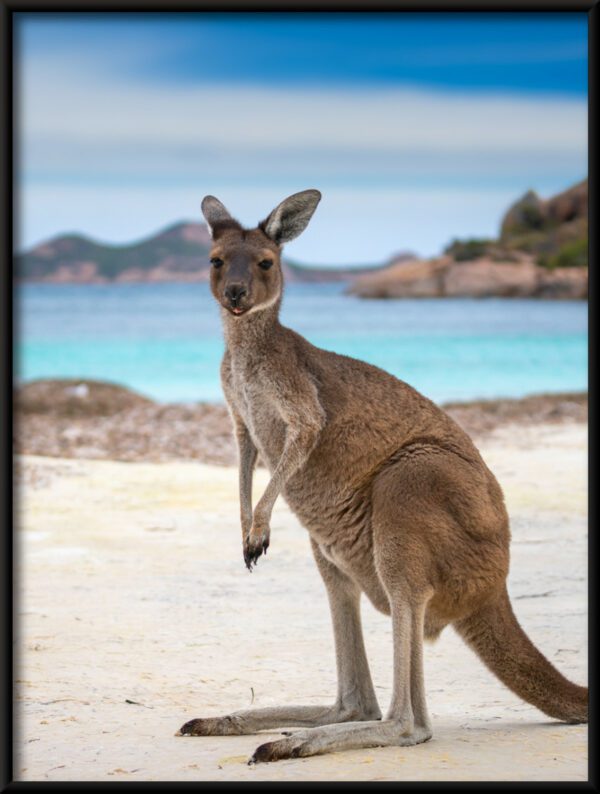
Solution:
(179, 253)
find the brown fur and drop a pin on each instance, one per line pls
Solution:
(398, 502)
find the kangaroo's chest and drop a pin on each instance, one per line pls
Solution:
(253, 400)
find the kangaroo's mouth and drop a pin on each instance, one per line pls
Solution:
(237, 310)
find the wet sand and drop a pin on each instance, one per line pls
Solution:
(135, 613)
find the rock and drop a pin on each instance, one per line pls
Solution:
(482, 278)
(417, 278)
(566, 283)
(544, 227)
(569, 205)
(478, 278)
(526, 214)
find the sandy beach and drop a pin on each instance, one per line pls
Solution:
(134, 613)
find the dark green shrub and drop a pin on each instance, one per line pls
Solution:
(573, 254)
(465, 250)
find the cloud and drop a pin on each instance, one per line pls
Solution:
(399, 167)
(73, 124)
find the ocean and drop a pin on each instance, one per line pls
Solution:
(164, 340)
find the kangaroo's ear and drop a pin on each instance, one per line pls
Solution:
(291, 217)
(217, 216)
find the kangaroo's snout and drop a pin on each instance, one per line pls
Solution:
(234, 293)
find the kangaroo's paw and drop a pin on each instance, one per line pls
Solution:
(280, 749)
(255, 544)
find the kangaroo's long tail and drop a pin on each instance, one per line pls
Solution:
(496, 636)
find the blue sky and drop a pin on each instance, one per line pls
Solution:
(416, 127)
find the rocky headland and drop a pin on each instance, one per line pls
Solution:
(541, 252)
(483, 277)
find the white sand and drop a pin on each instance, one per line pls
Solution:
(131, 586)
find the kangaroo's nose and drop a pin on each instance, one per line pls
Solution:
(235, 292)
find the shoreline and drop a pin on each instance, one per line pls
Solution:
(95, 420)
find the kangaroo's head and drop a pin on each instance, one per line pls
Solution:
(246, 263)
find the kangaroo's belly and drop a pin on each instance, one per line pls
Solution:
(340, 523)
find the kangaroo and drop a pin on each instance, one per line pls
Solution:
(397, 500)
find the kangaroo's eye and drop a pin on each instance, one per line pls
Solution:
(216, 262)
(265, 264)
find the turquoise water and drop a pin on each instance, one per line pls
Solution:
(164, 340)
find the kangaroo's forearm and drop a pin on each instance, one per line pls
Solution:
(299, 444)
(247, 459)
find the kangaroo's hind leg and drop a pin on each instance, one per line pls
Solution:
(355, 698)
(406, 723)
(409, 592)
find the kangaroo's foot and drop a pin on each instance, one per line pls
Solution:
(253, 720)
(343, 736)
(212, 726)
